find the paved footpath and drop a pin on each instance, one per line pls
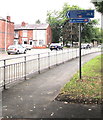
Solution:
(35, 97)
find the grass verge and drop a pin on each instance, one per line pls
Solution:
(87, 89)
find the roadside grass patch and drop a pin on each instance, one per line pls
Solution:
(87, 89)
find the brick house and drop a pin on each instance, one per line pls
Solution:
(38, 35)
(6, 32)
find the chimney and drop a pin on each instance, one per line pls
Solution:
(8, 18)
(23, 24)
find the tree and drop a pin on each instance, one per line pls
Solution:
(57, 20)
(38, 21)
(89, 31)
(66, 32)
(99, 6)
(53, 20)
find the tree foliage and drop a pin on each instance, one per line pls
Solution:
(99, 6)
(89, 31)
(64, 31)
(38, 21)
(57, 21)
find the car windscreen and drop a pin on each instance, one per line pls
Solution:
(55, 44)
(11, 47)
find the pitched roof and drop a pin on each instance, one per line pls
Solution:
(31, 26)
(1, 18)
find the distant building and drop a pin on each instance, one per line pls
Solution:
(37, 35)
(6, 32)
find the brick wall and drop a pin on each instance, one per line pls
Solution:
(48, 35)
(6, 33)
(30, 34)
(2, 34)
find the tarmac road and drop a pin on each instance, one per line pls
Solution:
(35, 98)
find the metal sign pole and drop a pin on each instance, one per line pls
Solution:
(80, 16)
(80, 73)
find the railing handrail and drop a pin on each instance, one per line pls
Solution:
(19, 68)
(21, 56)
(27, 55)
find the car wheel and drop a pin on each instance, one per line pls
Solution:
(25, 52)
(57, 49)
(17, 52)
(8, 53)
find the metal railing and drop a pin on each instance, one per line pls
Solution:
(14, 70)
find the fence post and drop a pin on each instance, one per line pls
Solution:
(4, 74)
(25, 66)
(49, 60)
(39, 63)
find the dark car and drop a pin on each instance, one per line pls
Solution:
(85, 46)
(56, 46)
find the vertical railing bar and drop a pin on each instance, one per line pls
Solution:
(49, 60)
(76, 52)
(68, 54)
(22, 69)
(56, 58)
(4, 73)
(62, 57)
(39, 63)
(9, 73)
(14, 73)
(25, 67)
(18, 69)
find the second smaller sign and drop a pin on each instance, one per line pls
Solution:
(80, 20)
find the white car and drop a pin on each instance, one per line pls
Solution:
(27, 46)
(100, 46)
(16, 49)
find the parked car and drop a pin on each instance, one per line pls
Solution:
(100, 46)
(16, 49)
(85, 46)
(27, 46)
(68, 45)
(56, 46)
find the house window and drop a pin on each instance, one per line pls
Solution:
(16, 34)
(35, 43)
(25, 42)
(40, 42)
(31, 42)
(24, 33)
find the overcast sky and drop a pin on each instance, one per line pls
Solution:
(32, 10)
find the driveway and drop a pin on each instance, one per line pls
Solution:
(35, 97)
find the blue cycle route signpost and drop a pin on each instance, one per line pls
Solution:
(80, 16)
